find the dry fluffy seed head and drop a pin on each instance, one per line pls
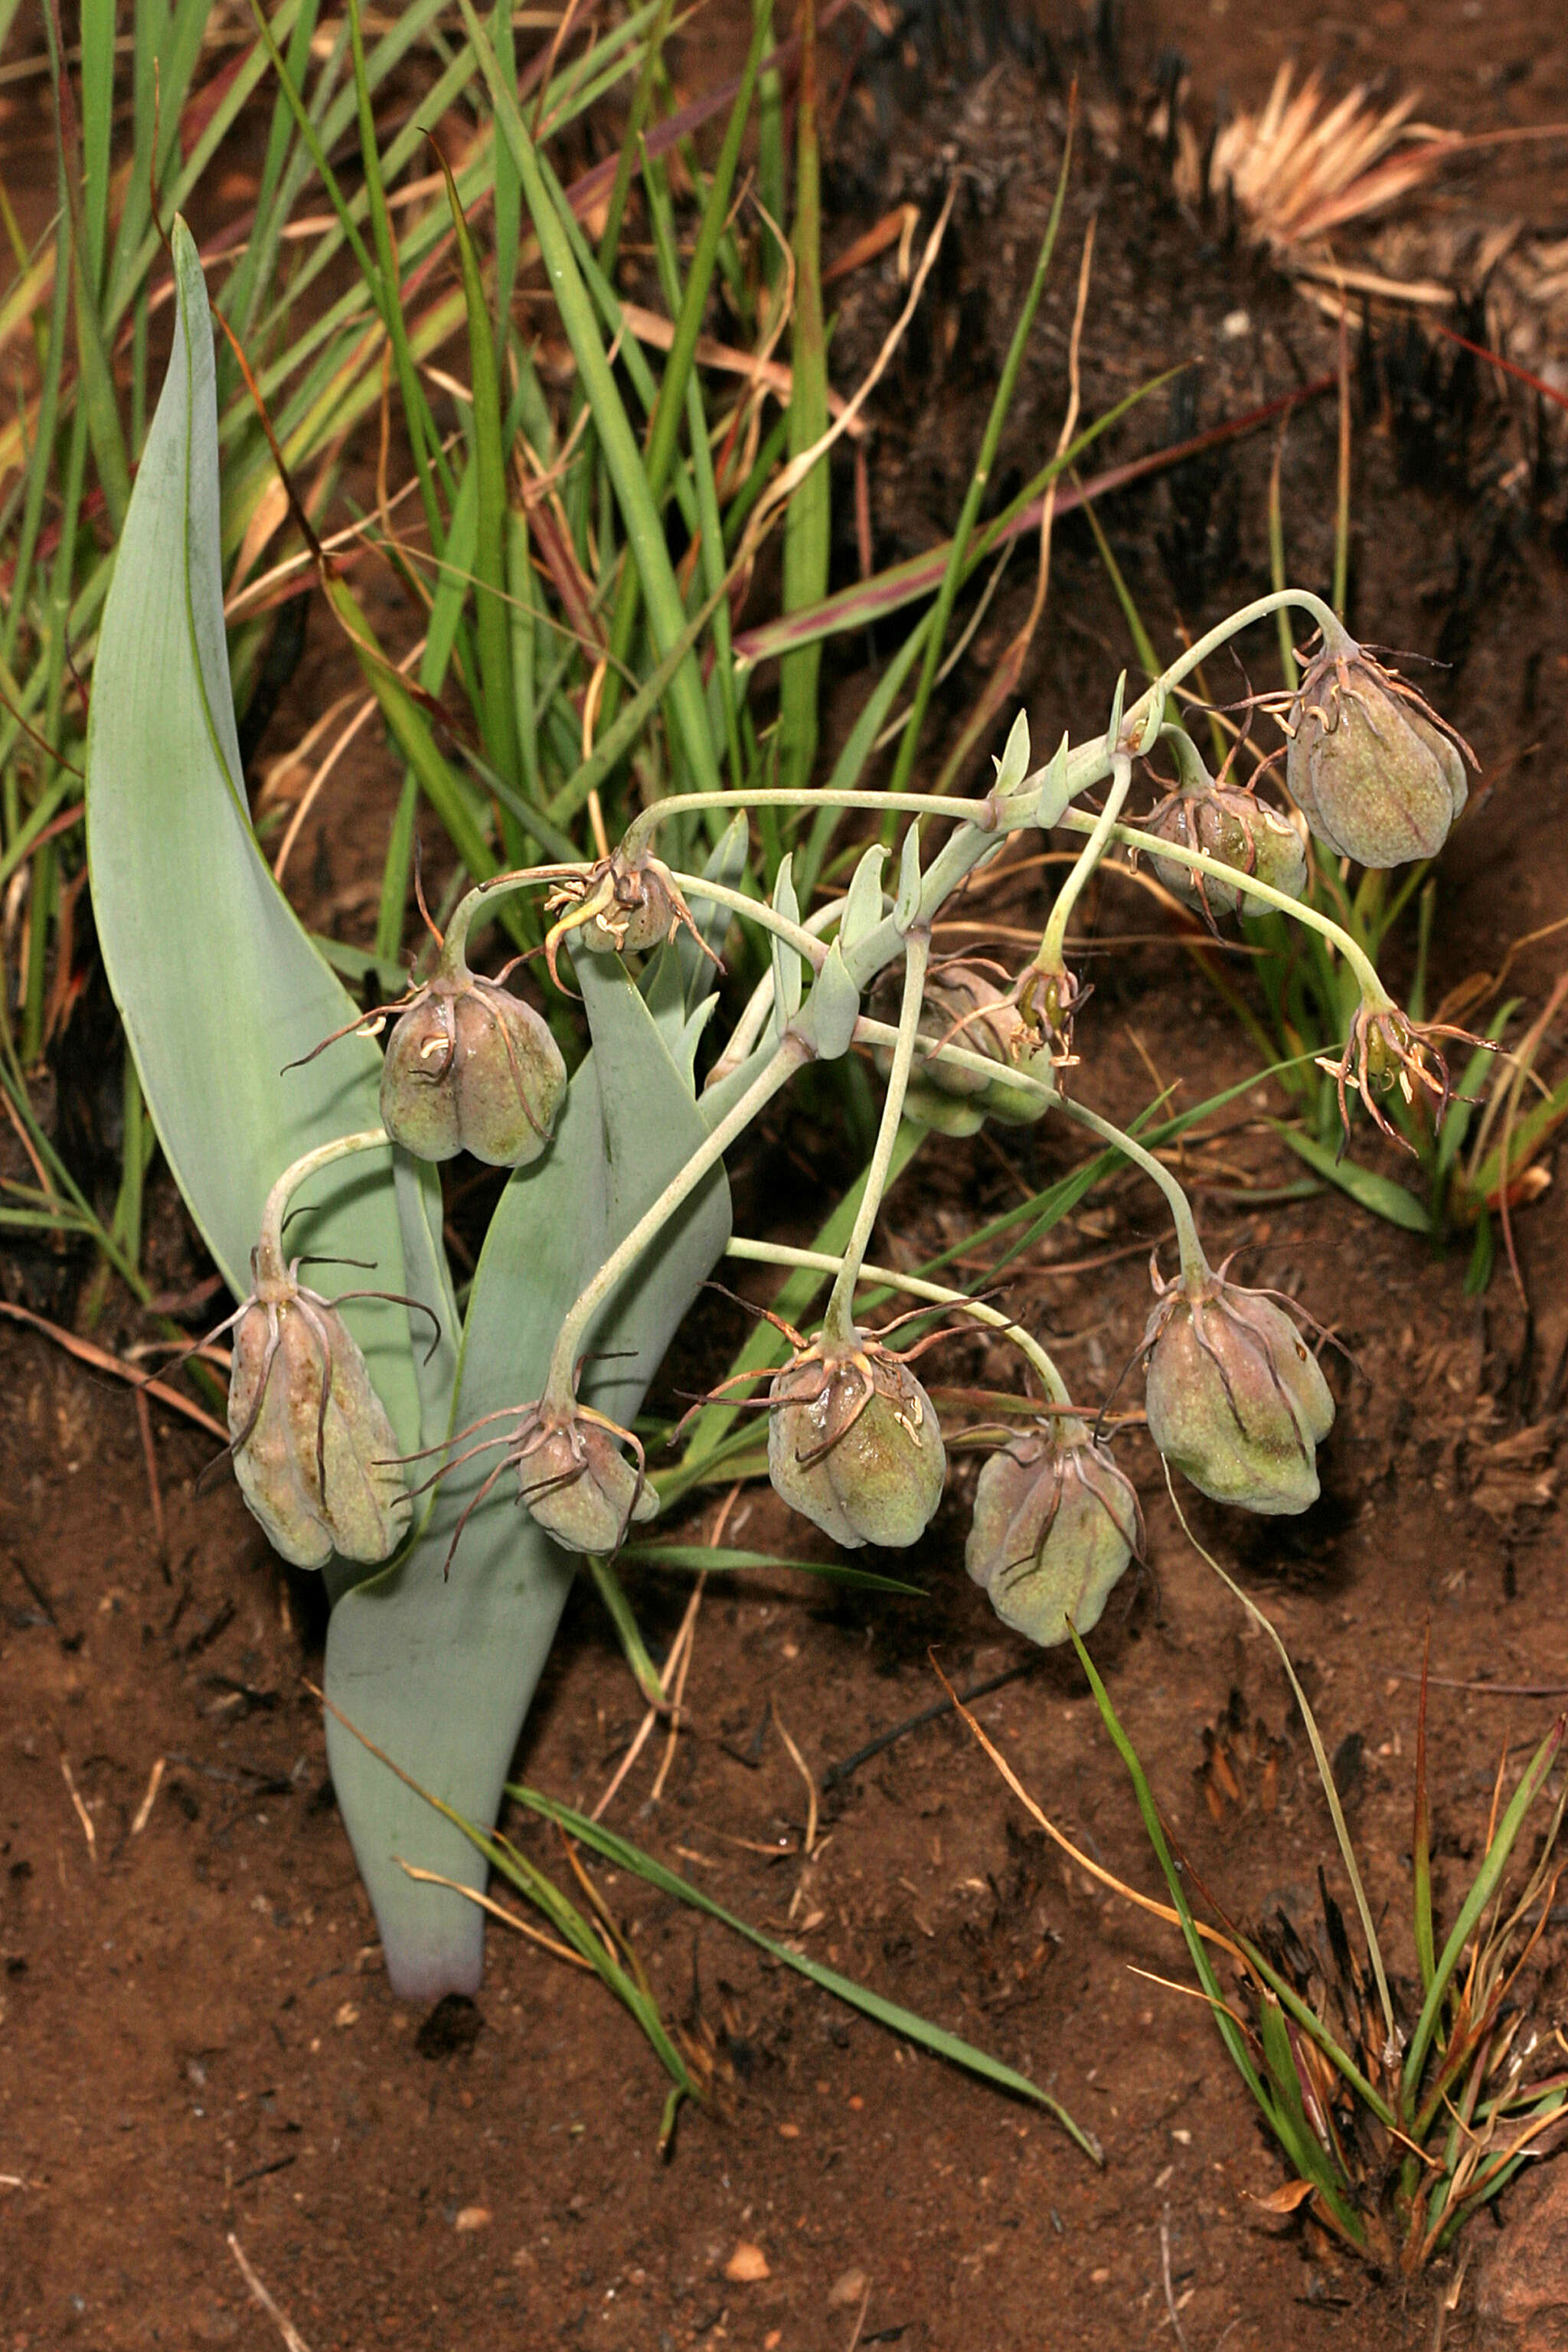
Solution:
(854, 1443)
(1369, 765)
(470, 1067)
(1055, 1525)
(312, 1444)
(1236, 1397)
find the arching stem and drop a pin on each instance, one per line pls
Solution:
(641, 830)
(1194, 1264)
(559, 1386)
(839, 1319)
(269, 1246)
(936, 1293)
(1374, 993)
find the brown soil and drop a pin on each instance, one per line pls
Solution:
(198, 2037)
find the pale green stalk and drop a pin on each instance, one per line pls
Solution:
(937, 1294)
(270, 1247)
(839, 1321)
(642, 828)
(1374, 993)
(559, 1386)
(1194, 1265)
(755, 910)
(1051, 958)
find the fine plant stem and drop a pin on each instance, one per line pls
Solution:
(1194, 1265)
(959, 1057)
(839, 1321)
(1050, 959)
(560, 1385)
(754, 910)
(642, 828)
(479, 901)
(936, 1294)
(1347, 1851)
(1194, 656)
(269, 1248)
(1374, 993)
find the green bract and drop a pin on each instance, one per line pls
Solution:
(1055, 1525)
(1236, 1397)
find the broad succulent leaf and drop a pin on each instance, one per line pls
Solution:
(439, 1671)
(216, 981)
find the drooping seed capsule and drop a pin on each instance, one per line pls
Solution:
(1055, 1525)
(854, 1443)
(1236, 1397)
(1375, 772)
(313, 1450)
(964, 1008)
(574, 1479)
(470, 1067)
(623, 905)
(1226, 823)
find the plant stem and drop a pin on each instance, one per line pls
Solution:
(1373, 989)
(822, 1262)
(560, 1384)
(642, 828)
(960, 1057)
(469, 907)
(1050, 959)
(754, 910)
(839, 1321)
(269, 1248)
(1194, 1265)
(1335, 634)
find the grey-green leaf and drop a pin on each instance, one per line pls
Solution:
(439, 1672)
(218, 984)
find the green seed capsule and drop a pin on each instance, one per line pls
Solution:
(575, 1480)
(1236, 1397)
(313, 1450)
(1055, 1525)
(470, 1067)
(1370, 766)
(854, 1443)
(964, 1008)
(1231, 825)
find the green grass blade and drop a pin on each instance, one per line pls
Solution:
(808, 523)
(1379, 1194)
(702, 1559)
(492, 620)
(1482, 1888)
(958, 546)
(644, 533)
(918, 2030)
(1294, 2136)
